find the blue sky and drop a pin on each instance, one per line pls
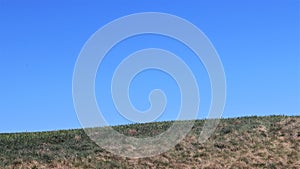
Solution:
(257, 41)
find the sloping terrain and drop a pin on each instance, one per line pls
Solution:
(247, 142)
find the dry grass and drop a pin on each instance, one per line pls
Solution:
(248, 142)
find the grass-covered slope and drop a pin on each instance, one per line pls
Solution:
(248, 142)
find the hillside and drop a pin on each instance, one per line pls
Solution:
(247, 142)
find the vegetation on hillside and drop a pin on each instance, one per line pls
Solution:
(247, 142)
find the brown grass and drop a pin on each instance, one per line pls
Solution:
(249, 142)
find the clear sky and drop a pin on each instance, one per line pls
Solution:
(257, 41)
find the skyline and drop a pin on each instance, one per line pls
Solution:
(257, 42)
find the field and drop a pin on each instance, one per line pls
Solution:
(246, 142)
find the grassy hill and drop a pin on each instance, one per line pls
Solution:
(247, 142)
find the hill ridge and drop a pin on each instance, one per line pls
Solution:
(243, 142)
